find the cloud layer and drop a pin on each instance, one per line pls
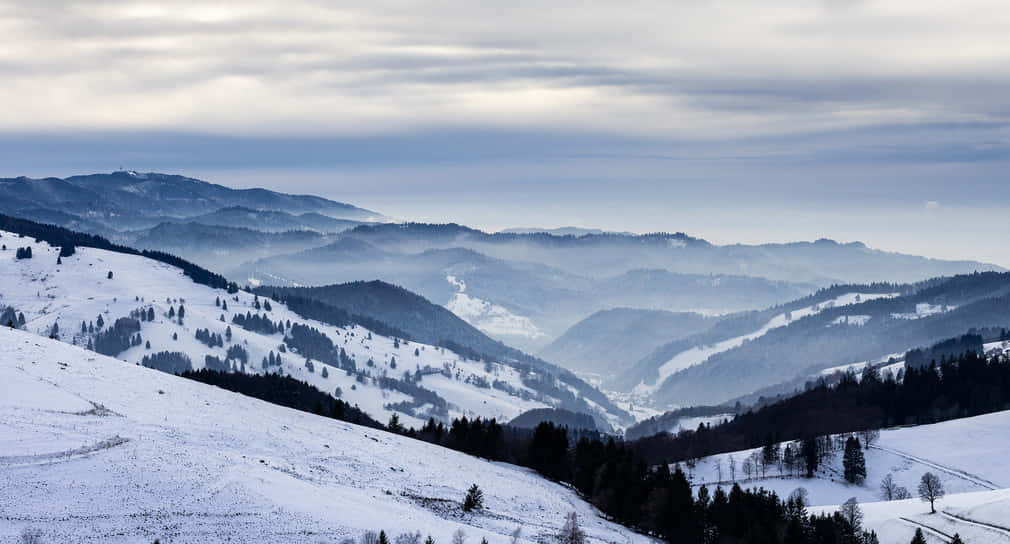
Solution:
(677, 69)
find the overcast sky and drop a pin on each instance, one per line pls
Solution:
(747, 121)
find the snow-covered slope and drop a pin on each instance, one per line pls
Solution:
(968, 455)
(96, 449)
(699, 354)
(79, 290)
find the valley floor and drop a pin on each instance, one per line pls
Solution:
(93, 449)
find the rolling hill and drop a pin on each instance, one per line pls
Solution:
(130, 307)
(98, 449)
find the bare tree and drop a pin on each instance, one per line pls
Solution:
(459, 537)
(718, 470)
(853, 514)
(930, 489)
(801, 496)
(868, 437)
(515, 535)
(371, 537)
(691, 463)
(571, 533)
(748, 468)
(408, 538)
(888, 488)
(732, 468)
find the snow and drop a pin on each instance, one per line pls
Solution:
(699, 354)
(691, 423)
(491, 318)
(79, 290)
(181, 461)
(924, 309)
(995, 348)
(968, 455)
(855, 320)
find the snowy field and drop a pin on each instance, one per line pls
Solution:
(79, 290)
(94, 449)
(968, 455)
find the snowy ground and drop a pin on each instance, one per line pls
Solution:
(78, 290)
(94, 449)
(968, 455)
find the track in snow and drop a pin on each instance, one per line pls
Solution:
(1003, 531)
(66, 455)
(958, 473)
(930, 530)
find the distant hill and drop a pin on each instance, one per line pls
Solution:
(832, 328)
(132, 200)
(610, 341)
(562, 418)
(425, 322)
(273, 221)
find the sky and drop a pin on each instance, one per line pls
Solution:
(735, 121)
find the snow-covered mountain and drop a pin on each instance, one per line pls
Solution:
(66, 296)
(95, 449)
(968, 455)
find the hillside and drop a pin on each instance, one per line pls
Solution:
(154, 456)
(608, 342)
(844, 325)
(522, 303)
(966, 454)
(423, 321)
(273, 221)
(135, 313)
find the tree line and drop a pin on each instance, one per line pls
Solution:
(967, 385)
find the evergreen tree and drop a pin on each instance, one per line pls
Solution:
(854, 462)
(956, 539)
(919, 538)
(382, 538)
(110, 275)
(474, 499)
(810, 451)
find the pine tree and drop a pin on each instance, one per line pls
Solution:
(918, 538)
(474, 499)
(854, 462)
(110, 275)
(956, 539)
(382, 538)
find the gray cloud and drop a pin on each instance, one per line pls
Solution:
(686, 69)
